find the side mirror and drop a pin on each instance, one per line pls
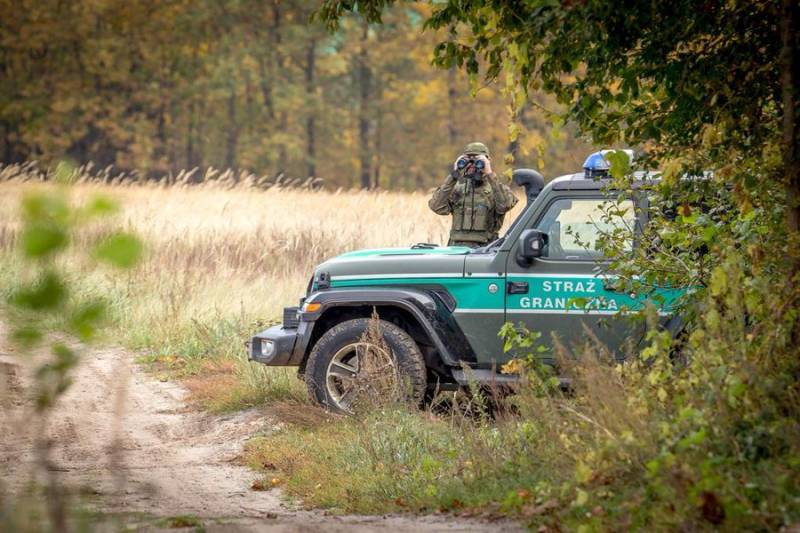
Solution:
(531, 246)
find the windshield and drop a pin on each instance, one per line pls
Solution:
(498, 242)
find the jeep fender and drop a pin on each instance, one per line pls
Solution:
(428, 307)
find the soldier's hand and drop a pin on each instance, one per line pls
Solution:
(487, 169)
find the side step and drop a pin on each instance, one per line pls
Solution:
(486, 376)
(483, 376)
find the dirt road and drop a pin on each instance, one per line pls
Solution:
(130, 440)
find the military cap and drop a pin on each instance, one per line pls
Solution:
(476, 149)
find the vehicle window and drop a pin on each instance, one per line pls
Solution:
(573, 227)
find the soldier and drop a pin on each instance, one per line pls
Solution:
(475, 198)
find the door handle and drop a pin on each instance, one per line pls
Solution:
(517, 287)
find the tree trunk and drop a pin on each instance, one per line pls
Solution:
(513, 146)
(311, 149)
(160, 150)
(376, 177)
(452, 108)
(190, 128)
(199, 135)
(790, 85)
(280, 64)
(266, 75)
(364, 83)
(233, 132)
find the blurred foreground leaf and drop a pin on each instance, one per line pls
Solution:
(100, 206)
(41, 208)
(47, 294)
(42, 240)
(85, 319)
(26, 336)
(121, 250)
(54, 377)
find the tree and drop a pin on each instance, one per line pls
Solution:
(661, 74)
(153, 88)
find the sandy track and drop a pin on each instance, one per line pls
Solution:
(131, 440)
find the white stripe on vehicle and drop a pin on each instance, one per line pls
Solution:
(476, 311)
(396, 276)
(599, 275)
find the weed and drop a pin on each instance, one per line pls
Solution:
(183, 521)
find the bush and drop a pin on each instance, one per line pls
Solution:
(648, 444)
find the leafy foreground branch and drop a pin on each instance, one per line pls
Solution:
(49, 323)
(649, 444)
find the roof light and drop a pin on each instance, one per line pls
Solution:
(597, 166)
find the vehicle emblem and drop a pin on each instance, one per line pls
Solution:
(492, 288)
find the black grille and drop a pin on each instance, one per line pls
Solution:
(290, 317)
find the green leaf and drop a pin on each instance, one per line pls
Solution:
(122, 250)
(42, 240)
(101, 206)
(84, 321)
(709, 233)
(26, 336)
(620, 163)
(692, 439)
(719, 281)
(47, 294)
(39, 208)
(583, 473)
(65, 358)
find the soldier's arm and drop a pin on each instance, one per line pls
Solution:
(503, 196)
(440, 200)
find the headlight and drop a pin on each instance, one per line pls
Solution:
(267, 348)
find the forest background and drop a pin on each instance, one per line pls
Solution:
(156, 87)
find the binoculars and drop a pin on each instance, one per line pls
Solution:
(462, 163)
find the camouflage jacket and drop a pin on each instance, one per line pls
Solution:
(478, 209)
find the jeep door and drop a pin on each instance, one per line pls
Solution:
(565, 293)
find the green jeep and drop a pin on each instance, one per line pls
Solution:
(440, 308)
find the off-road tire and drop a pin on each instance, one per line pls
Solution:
(405, 352)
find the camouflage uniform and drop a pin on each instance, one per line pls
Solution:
(478, 208)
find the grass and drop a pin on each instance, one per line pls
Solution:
(221, 263)
(182, 521)
(609, 456)
(393, 460)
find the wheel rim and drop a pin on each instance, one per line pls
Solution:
(361, 371)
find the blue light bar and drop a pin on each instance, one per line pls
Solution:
(597, 166)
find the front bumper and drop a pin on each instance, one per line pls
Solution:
(283, 345)
(273, 346)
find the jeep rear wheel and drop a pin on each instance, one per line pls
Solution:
(365, 361)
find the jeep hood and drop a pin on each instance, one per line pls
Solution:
(389, 263)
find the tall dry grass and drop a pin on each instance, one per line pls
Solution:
(213, 250)
(222, 261)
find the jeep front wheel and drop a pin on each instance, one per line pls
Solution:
(365, 361)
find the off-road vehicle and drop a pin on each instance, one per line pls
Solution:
(440, 308)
